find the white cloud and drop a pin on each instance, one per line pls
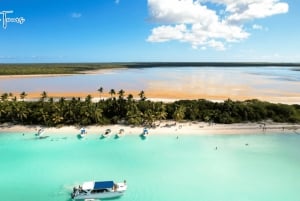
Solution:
(244, 10)
(180, 11)
(76, 15)
(193, 22)
(166, 33)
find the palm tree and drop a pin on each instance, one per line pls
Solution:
(142, 95)
(112, 92)
(10, 95)
(121, 94)
(42, 116)
(179, 113)
(88, 99)
(148, 117)
(21, 111)
(134, 115)
(51, 100)
(160, 111)
(130, 97)
(23, 95)
(98, 115)
(44, 95)
(5, 111)
(4, 96)
(100, 90)
(56, 118)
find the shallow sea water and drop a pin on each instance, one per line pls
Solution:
(160, 168)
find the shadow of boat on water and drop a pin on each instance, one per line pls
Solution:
(117, 198)
(143, 136)
(80, 137)
(43, 137)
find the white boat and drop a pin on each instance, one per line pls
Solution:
(82, 132)
(40, 132)
(107, 133)
(145, 132)
(121, 133)
(99, 190)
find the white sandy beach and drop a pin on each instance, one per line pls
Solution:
(166, 127)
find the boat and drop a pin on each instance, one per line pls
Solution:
(40, 132)
(121, 133)
(99, 190)
(145, 132)
(82, 132)
(107, 133)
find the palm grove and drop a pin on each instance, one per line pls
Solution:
(120, 109)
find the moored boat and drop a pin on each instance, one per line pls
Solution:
(107, 133)
(82, 132)
(121, 133)
(99, 190)
(145, 132)
(40, 132)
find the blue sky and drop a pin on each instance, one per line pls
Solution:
(150, 30)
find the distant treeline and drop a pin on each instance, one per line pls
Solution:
(118, 108)
(74, 68)
(55, 68)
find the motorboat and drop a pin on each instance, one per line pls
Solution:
(145, 132)
(99, 190)
(107, 133)
(121, 133)
(40, 132)
(82, 132)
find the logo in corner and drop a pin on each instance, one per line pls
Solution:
(5, 19)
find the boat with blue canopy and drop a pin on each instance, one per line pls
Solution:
(82, 132)
(99, 190)
(145, 132)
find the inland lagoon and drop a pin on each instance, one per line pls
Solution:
(252, 167)
(276, 84)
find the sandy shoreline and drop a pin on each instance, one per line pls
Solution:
(166, 127)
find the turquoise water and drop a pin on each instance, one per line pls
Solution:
(160, 168)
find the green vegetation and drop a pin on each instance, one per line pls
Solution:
(36, 69)
(49, 112)
(74, 68)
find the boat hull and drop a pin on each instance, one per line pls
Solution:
(105, 195)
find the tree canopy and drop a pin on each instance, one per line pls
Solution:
(49, 112)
